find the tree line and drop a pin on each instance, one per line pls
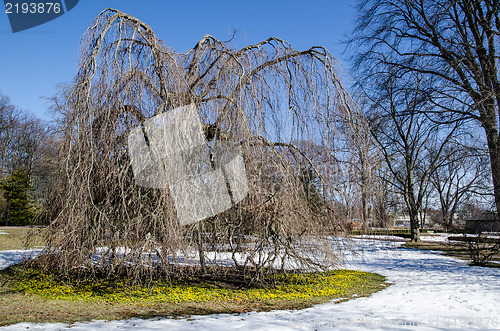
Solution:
(428, 69)
(27, 163)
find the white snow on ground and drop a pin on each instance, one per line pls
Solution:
(435, 237)
(427, 237)
(3, 232)
(429, 292)
(8, 258)
(378, 237)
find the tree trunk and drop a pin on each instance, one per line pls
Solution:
(364, 211)
(449, 222)
(201, 252)
(414, 226)
(446, 221)
(493, 147)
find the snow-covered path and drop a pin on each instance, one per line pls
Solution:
(430, 292)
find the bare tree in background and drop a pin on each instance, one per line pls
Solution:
(383, 198)
(354, 168)
(22, 139)
(32, 138)
(9, 122)
(25, 142)
(365, 160)
(462, 174)
(453, 44)
(410, 143)
(267, 98)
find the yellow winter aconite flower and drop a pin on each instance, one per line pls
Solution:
(286, 287)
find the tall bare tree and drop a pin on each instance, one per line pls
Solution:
(268, 99)
(25, 142)
(32, 138)
(9, 124)
(452, 43)
(365, 160)
(462, 174)
(410, 143)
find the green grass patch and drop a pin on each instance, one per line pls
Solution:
(14, 237)
(29, 295)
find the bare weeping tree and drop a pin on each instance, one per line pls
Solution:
(267, 99)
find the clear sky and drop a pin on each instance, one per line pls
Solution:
(33, 62)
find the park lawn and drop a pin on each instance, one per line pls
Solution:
(455, 249)
(14, 237)
(28, 295)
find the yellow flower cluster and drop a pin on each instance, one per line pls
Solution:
(303, 286)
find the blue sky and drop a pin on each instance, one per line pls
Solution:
(33, 62)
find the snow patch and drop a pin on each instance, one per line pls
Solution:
(11, 257)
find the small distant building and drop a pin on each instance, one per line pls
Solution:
(483, 222)
(402, 221)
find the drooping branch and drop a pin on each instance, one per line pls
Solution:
(276, 106)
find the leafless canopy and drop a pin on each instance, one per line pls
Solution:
(275, 102)
(452, 45)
